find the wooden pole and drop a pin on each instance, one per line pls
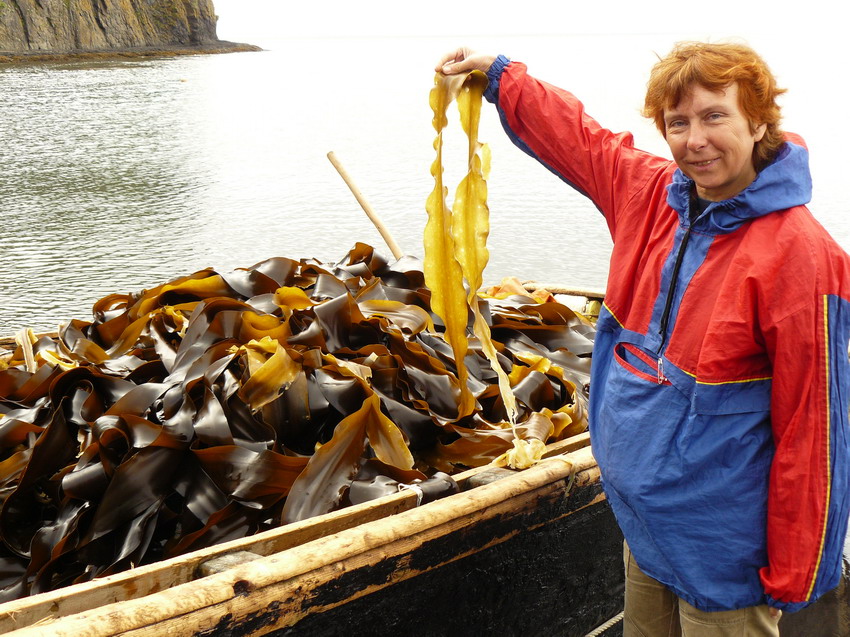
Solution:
(560, 288)
(388, 238)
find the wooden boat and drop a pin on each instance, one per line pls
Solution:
(533, 551)
(513, 552)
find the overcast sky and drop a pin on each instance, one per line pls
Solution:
(804, 43)
(498, 17)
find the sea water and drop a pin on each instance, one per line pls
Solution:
(120, 175)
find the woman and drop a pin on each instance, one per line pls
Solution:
(719, 390)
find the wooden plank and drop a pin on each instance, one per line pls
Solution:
(560, 288)
(567, 445)
(145, 580)
(282, 577)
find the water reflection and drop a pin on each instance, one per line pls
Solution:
(94, 176)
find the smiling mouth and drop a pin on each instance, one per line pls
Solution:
(701, 164)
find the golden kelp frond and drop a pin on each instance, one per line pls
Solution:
(25, 339)
(471, 225)
(292, 298)
(270, 370)
(257, 327)
(523, 454)
(385, 438)
(456, 239)
(35, 352)
(176, 419)
(202, 288)
(336, 463)
(443, 273)
(445, 91)
(470, 215)
(351, 368)
(482, 331)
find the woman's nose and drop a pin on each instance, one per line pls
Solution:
(696, 137)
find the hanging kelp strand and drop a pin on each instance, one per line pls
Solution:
(465, 240)
(443, 273)
(471, 225)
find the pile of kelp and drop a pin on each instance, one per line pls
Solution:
(221, 404)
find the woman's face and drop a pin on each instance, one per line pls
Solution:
(712, 141)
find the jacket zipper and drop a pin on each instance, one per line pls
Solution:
(668, 305)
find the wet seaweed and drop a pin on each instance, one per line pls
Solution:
(221, 404)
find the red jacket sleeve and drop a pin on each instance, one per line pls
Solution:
(808, 506)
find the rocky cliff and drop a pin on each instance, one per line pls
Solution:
(66, 26)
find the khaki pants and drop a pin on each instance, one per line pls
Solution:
(654, 611)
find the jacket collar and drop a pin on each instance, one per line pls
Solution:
(783, 184)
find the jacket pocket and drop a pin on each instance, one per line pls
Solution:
(637, 422)
(718, 399)
(639, 363)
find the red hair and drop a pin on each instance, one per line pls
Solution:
(716, 67)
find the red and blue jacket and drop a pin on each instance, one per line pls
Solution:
(719, 387)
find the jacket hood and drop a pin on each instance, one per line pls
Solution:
(783, 184)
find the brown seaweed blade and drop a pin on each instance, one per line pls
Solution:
(270, 370)
(466, 239)
(471, 225)
(443, 273)
(470, 215)
(322, 484)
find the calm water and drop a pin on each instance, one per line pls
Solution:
(120, 176)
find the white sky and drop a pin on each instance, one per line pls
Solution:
(805, 44)
(526, 17)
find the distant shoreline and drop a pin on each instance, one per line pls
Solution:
(222, 46)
